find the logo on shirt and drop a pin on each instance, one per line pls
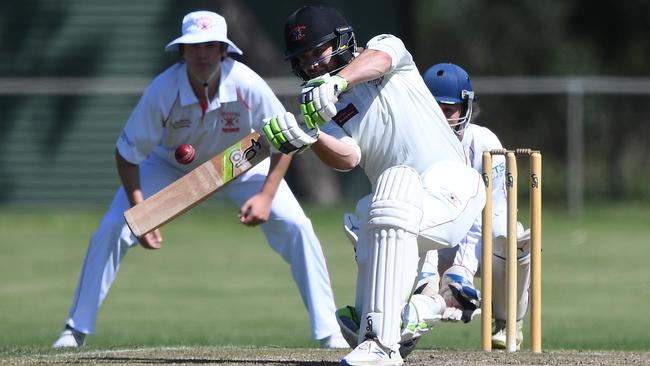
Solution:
(345, 114)
(181, 123)
(229, 121)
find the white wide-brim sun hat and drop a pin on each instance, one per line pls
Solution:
(201, 27)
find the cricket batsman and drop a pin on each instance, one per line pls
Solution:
(371, 108)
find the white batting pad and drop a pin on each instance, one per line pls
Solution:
(351, 228)
(499, 276)
(454, 198)
(393, 225)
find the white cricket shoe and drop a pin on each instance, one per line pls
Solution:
(499, 334)
(70, 338)
(348, 320)
(370, 353)
(335, 341)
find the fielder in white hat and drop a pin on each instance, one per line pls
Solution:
(203, 29)
(203, 26)
(210, 101)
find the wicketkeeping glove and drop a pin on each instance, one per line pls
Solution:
(287, 135)
(319, 95)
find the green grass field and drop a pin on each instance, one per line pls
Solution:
(216, 282)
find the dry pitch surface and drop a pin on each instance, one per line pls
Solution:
(283, 356)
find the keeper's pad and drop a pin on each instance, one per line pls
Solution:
(454, 198)
(499, 276)
(500, 243)
(392, 253)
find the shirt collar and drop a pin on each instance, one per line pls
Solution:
(227, 88)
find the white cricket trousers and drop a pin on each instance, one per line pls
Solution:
(288, 231)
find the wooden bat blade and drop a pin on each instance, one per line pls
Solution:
(197, 185)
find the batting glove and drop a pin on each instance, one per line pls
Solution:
(318, 98)
(287, 136)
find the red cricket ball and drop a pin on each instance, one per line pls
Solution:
(185, 153)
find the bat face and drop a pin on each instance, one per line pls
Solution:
(197, 185)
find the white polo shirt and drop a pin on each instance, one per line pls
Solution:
(394, 119)
(168, 114)
(476, 140)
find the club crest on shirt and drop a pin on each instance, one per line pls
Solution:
(345, 114)
(229, 121)
(181, 123)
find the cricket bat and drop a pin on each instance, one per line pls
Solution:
(197, 185)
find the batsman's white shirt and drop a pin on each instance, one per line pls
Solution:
(169, 114)
(392, 120)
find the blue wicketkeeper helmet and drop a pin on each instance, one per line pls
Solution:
(450, 84)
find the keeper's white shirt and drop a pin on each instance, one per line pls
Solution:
(476, 140)
(169, 114)
(394, 119)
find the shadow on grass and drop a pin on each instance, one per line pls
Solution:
(199, 361)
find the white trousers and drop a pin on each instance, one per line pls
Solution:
(288, 231)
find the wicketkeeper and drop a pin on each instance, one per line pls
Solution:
(452, 88)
